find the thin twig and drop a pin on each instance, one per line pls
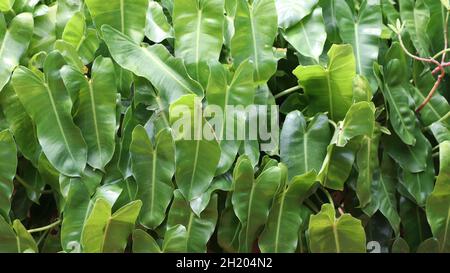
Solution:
(433, 90)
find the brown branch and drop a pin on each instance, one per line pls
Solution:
(433, 90)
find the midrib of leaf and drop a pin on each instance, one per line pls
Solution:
(189, 226)
(280, 216)
(388, 197)
(308, 43)
(419, 226)
(197, 42)
(249, 209)
(122, 16)
(358, 51)
(444, 241)
(105, 234)
(397, 110)
(305, 151)
(330, 93)
(194, 169)
(163, 67)
(152, 200)
(94, 117)
(255, 48)
(58, 120)
(336, 237)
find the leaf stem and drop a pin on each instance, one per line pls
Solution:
(287, 92)
(35, 230)
(28, 186)
(327, 194)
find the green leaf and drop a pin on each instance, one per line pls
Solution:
(44, 34)
(108, 233)
(198, 27)
(411, 158)
(330, 89)
(20, 124)
(308, 36)
(221, 183)
(367, 163)
(252, 199)
(284, 221)
(384, 194)
(199, 228)
(255, 31)
(303, 146)
(416, 17)
(49, 105)
(65, 10)
(8, 240)
(157, 27)
(15, 238)
(126, 16)
(153, 168)
(420, 185)
(8, 166)
(196, 156)
(337, 166)
(342, 235)
(225, 92)
(363, 32)
(14, 43)
(402, 117)
(430, 245)
(359, 121)
(438, 204)
(400, 246)
(144, 243)
(83, 39)
(166, 73)
(414, 223)
(6, 5)
(76, 212)
(290, 12)
(25, 242)
(96, 114)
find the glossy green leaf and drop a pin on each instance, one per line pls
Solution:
(416, 16)
(153, 168)
(363, 32)
(8, 166)
(49, 105)
(411, 158)
(335, 235)
(198, 27)
(280, 233)
(108, 233)
(401, 115)
(330, 89)
(255, 31)
(196, 157)
(199, 228)
(290, 12)
(225, 92)
(157, 27)
(252, 199)
(20, 124)
(308, 36)
(14, 43)
(126, 16)
(303, 146)
(83, 39)
(167, 74)
(96, 114)
(359, 121)
(438, 204)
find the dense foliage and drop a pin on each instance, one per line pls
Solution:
(89, 161)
